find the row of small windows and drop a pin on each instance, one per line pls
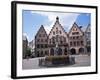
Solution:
(88, 42)
(42, 53)
(88, 34)
(76, 37)
(60, 42)
(75, 33)
(42, 35)
(60, 39)
(57, 32)
(76, 43)
(42, 45)
(46, 52)
(41, 40)
(74, 29)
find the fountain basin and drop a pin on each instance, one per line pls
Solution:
(56, 60)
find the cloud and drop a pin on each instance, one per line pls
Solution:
(66, 19)
(25, 36)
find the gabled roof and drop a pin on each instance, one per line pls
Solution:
(57, 22)
(42, 27)
(75, 25)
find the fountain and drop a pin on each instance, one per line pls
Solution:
(56, 60)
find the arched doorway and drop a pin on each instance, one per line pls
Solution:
(59, 51)
(52, 51)
(65, 51)
(81, 50)
(88, 49)
(73, 51)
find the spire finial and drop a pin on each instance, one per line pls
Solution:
(41, 25)
(57, 18)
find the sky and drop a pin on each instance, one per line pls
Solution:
(32, 21)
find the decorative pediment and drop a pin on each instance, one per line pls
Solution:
(57, 29)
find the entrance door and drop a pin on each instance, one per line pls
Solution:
(73, 51)
(81, 50)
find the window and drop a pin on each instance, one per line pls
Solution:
(80, 37)
(73, 37)
(53, 33)
(60, 32)
(46, 53)
(61, 42)
(42, 54)
(43, 35)
(53, 39)
(77, 37)
(42, 31)
(64, 39)
(41, 45)
(38, 40)
(39, 35)
(81, 42)
(38, 52)
(78, 44)
(50, 41)
(45, 40)
(75, 33)
(53, 42)
(70, 43)
(56, 28)
(70, 37)
(57, 32)
(74, 43)
(74, 29)
(65, 49)
(41, 40)
(45, 45)
(38, 46)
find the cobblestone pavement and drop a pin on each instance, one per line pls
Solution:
(80, 60)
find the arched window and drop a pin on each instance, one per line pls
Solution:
(51, 51)
(59, 51)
